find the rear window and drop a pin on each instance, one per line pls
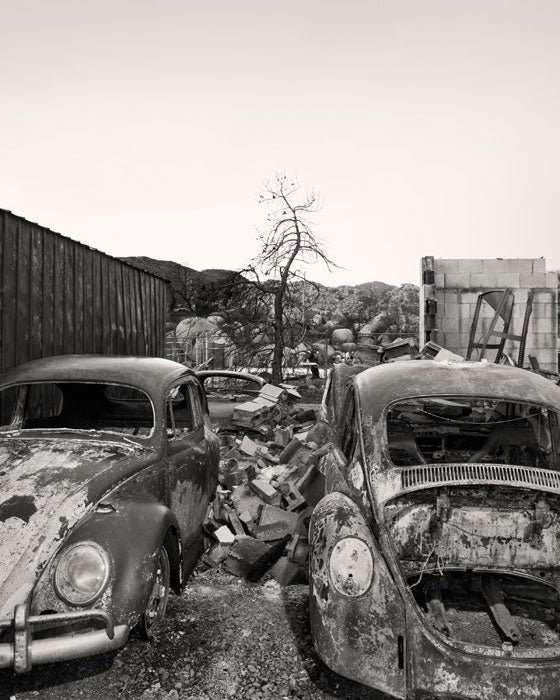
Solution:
(77, 406)
(443, 430)
(230, 387)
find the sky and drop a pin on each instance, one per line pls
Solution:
(148, 128)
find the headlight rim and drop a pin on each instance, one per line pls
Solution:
(367, 550)
(102, 552)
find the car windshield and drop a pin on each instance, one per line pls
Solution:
(230, 387)
(457, 429)
(72, 406)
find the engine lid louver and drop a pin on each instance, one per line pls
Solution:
(421, 477)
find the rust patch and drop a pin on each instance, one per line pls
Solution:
(21, 507)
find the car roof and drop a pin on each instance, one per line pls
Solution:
(207, 373)
(383, 384)
(148, 373)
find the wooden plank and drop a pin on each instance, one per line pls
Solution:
(22, 291)
(68, 286)
(9, 277)
(47, 293)
(36, 293)
(79, 308)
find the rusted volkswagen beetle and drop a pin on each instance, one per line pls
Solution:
(226, 388)
(107, 466)
(435, 553)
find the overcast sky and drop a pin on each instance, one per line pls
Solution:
(147, 128)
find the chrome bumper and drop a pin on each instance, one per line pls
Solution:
(26, 652)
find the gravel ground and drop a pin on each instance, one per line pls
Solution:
(223, 638)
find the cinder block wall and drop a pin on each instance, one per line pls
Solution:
(458, 282)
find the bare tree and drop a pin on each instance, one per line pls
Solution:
(288, 243)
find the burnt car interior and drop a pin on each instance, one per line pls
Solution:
(435, 430)
(482, 560)
(77, 406)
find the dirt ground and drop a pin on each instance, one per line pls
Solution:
(223, 638)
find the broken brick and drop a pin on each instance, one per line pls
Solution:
(290, 450)
(272, 531)
(247, 414)
(224, 535)
(265, 491)
(283, 436)
(248, 446)
(244, 500)
(297, 550)
(272, 514)
(216, 554)
(235, 522)
(268, 559)
(286, 572)
(243, 554)
(272, 392)
(246, 519)
(291, 495)
(233, 478)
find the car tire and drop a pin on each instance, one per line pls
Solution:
(156, 605)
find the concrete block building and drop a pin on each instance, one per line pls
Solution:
(448, 299)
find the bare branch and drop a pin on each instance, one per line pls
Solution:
(288, 241)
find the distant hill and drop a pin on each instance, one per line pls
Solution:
(196, 292)
(167, 269)
(202, 292)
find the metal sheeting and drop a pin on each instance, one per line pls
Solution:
(58, 296)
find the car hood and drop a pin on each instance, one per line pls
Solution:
(46, 486)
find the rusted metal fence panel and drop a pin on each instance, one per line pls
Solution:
(58, 296)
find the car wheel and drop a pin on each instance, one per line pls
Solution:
(154, 612)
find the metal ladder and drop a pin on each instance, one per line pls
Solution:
(502, 301)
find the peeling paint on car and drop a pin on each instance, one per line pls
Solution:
(465, 598)
(52, 480)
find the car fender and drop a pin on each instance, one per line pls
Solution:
(357, 615)
(131, 532)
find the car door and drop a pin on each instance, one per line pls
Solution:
(189, 481)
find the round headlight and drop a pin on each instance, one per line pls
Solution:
(81, 573)
(351, 566)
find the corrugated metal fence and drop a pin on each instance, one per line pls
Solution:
(58, 296)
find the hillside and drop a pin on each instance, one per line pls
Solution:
(202, 292)
(197, 292)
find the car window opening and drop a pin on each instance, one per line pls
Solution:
(231, 388)
(457, 430)
(349, 431)
(181, 418)
(51, 406)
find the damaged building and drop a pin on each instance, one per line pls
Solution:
(479, 308)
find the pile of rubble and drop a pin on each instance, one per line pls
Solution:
(268, 486)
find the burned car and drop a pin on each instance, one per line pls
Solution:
(435, 553)
(107, 466)
(226, 388)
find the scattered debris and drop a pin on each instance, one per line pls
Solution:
(269, 484)
(433, 351)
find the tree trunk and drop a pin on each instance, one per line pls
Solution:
(278, 356)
